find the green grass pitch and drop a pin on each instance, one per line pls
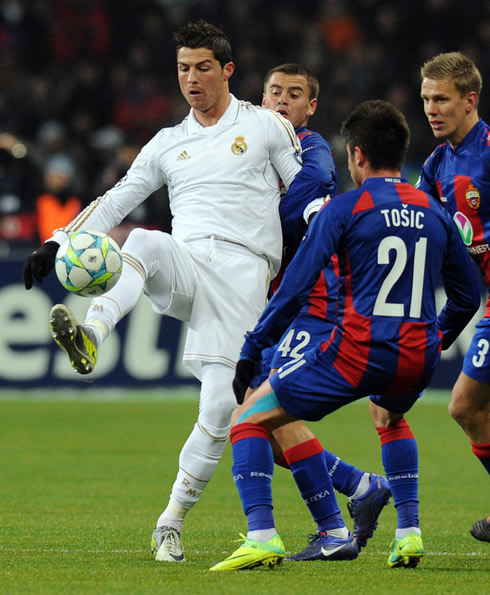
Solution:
(84, 477)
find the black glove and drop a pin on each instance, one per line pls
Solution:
(39, 263)
(244, 372)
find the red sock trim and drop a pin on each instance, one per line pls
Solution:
(400, 431)
(303, 451)
(247, 430)
(482, 451)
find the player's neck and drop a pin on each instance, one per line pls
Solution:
(460, 134)
(381, 173)
(212, 116)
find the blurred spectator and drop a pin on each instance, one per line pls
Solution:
(72, 70)
(56, 205)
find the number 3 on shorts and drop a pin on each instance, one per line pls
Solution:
(479, 359)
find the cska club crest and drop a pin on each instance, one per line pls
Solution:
(239, 147)
(472, 196)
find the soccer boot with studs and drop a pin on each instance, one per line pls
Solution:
(366, 509)
(77, 341)
(322, 546)
(166, 545)
(252, 554)
(407, 552)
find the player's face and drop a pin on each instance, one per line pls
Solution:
(289, 94)
(451, 116)
(202, 80)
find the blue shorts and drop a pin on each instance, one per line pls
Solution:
(304, 333)
(476, 363)
(310, 387)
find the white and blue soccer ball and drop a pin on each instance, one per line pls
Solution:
(89, 263)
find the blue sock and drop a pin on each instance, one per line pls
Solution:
(307, 462)
(400, 460)
(253, 465)
(345, 477)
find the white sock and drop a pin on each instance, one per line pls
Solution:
(262, 535)
(402, 533)
(340, 533)
(173, 516)
(108, 309)
(362, 487)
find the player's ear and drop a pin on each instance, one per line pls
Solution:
(471, 101)
(312, 107)
(263, 99)
(359, 156)
(228, 70)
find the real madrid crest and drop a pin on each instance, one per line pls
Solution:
(472, 196)
(239, 147)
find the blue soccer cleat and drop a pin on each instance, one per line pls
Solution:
(325, 547)
(366, 509)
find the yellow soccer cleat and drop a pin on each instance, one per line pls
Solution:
(77, 341)
(254, 553)
(407, 552)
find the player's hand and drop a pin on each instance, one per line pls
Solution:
(39, 263)
(244, 372)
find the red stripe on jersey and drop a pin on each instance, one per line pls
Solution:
(439, 188)
(364, 203)
(353, 354)
(412, 196)
(248, 430)
(318, 298)
(400, 431)
(302, 451)
(411, 357)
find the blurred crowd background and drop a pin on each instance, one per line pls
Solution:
(85, 83)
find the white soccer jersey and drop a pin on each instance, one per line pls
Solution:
(223, 180)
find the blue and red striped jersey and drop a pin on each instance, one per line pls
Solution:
(393, 243)
(461, 179)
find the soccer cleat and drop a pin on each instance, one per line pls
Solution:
(254, 553)
(406, 552)
(166, 545)
(366, 509)
(77, 341)
(325, 547)
(481, 529)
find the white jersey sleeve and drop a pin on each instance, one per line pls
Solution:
(103, 214)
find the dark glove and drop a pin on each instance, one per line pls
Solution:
(244, 372)
(39, 263)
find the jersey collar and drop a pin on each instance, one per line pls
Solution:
(227, 119)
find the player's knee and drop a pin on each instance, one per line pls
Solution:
(143, 244)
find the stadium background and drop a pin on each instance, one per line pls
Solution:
(88, 82)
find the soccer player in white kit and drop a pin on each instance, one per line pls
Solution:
(223, 165)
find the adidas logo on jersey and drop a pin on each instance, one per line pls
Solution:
(183, 155)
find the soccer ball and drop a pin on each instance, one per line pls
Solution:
(89, 263)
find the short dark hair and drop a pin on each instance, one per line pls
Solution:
(296, 69)
(205, 35)
(381, 131)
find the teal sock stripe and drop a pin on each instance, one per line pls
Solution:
(265, 403)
